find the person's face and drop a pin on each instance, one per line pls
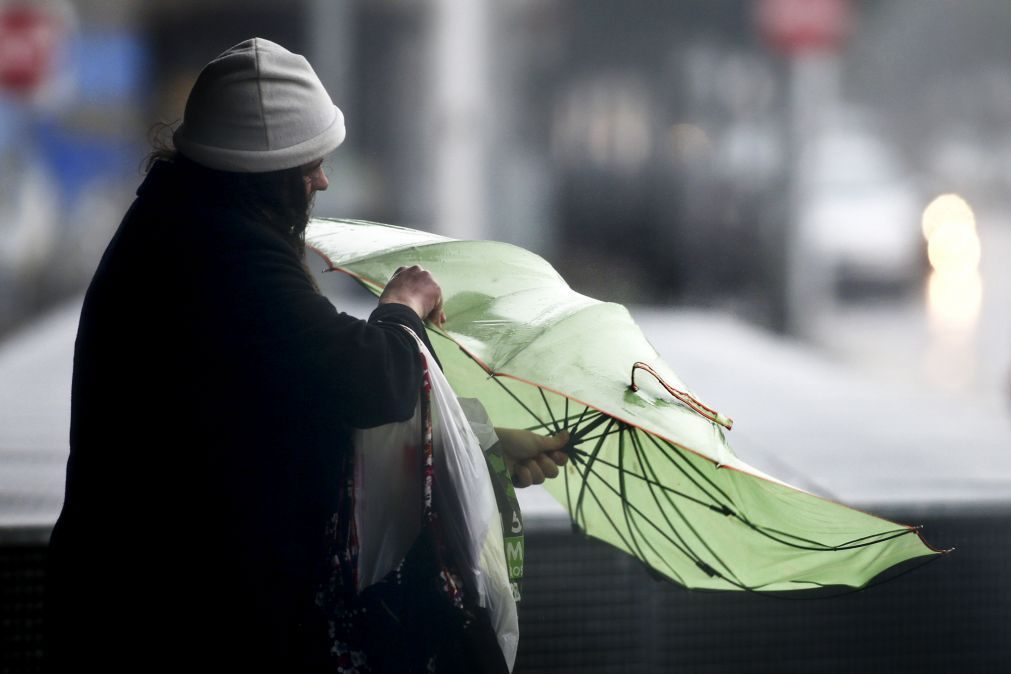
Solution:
(315, 178)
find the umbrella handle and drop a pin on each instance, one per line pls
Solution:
(685, 398)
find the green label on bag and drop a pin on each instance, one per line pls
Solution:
(514, 556)
(512, 519)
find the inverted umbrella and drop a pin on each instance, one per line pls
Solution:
(650, 469)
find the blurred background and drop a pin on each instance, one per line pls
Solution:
(775, 159)
(808, 199)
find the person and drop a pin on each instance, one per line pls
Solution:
(215, 391)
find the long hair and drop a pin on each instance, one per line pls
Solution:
(276, 198)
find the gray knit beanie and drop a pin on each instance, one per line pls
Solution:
(257, 107)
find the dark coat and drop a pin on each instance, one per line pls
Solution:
(214, 391)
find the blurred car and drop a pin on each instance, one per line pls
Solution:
(859, 212)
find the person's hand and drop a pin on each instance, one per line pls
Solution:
(416, 288)
(531, 458)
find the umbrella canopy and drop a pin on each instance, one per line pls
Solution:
(651, 471)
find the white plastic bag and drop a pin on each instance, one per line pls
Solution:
(388, 506)
(470, 514)
(388, 503)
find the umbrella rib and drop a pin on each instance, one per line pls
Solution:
(813, 545)
(632, 528)
(589, 467)
(630, 521)
(547, 406)
(665, 488)
(602, 435)
(568, 493)
(772, 534)
(520, 402)
(564, 421)
(683, 546)
(767, 532)
(648, 465)
(884, 538)
(603, 511)
(695, 558)
(541, 424)
(578, 435)
(880, 537)
(702, 475)
(686, 550)
(580, 514)
(669, 453)
(582, 415)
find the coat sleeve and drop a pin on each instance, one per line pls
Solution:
(367, 372)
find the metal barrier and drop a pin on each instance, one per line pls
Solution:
(588, 608)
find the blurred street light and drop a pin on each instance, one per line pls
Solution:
(950, 229)
(955, 289)
(944, 209)
(954, 300)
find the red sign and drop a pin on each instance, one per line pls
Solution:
(801, 26)
(28, 40)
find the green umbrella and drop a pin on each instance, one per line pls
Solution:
(650, 469)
